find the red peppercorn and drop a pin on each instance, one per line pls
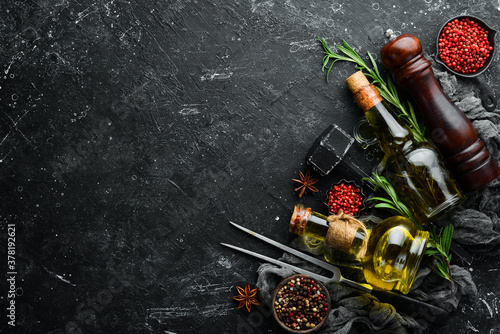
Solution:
(345, 197)
(468, 53)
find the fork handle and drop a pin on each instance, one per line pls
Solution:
(413, 307)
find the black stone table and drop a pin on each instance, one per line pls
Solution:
(132, 132)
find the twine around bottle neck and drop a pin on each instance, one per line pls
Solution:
(342, 232)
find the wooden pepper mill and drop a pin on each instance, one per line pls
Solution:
(451, 131)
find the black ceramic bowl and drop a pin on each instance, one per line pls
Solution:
(295, 300)
(354, 185)
(487, 97)
(491, 40)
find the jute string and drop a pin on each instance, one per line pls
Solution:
(342, 232)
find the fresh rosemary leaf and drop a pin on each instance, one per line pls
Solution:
(347, 46)
(374, 64)
(439, 270)
(382, 199)
(388, 98)
(439, 248)
(350, 53)
(412, 111)
(385, 206)
(447, 237)
(393, 90)
(432, 252)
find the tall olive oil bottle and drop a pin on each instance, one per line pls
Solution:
(415, 169)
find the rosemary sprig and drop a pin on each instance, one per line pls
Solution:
(394, 203)
(387, 90)
(438, 245)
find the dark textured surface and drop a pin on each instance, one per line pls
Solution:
(132, 132)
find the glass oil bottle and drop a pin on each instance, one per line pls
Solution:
(415, 169)
(389, 254)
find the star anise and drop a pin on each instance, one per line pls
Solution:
(246, 297)
(306, 183)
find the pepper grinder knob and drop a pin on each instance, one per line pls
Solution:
(449, 128)
(400, 50)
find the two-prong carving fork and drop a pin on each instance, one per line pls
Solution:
(410, 306)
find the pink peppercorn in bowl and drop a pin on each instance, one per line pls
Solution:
(301, 304)
(346, 196)
(466, 47)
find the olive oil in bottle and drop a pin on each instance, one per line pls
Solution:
(415, 169)
(389, 254)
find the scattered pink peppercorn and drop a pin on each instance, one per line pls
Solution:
(463, 46)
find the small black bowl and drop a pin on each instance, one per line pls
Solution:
(276, 298)
(487, 98)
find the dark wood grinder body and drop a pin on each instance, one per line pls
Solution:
(450, 129)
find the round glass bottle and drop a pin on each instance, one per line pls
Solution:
(389, 254)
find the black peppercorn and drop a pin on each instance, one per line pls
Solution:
(307, 303)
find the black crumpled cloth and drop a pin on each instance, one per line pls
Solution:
(477, 227)
(476, 222)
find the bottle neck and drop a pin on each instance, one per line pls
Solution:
(382, 117)
(391, 132)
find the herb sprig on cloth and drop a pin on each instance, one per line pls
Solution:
(387, 90)
(438, 245)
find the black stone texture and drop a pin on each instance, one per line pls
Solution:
(132, 132)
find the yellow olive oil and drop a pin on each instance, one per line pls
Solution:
(394, 248)
(415, 169)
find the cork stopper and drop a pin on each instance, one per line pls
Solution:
(356, 81)
(365, 94)
(299, 219)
